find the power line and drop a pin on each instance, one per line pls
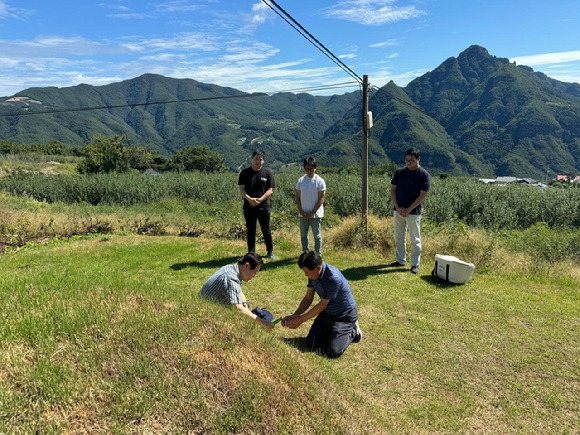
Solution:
(310, 38)
(445, 124)
(118, 106)
(320, 88)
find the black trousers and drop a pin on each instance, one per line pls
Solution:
(333, 334)
(253, 215)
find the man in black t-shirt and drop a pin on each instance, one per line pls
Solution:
(409, 188)
(256, 185)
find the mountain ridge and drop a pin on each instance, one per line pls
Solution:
(474, 114)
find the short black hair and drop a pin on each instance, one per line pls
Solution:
(413, 152)
(309, 259)
(252, 258)
(310, 161)
(259, 152)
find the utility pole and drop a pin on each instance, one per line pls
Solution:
(365, 153)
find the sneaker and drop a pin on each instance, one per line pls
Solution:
(396, 264)
(415, 269)
(270, 255)
(358, 336)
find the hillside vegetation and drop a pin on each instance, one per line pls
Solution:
(474, 114)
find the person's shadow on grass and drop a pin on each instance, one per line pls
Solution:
(220, 262)
(361, 273)
(299, 343)
(211, 264)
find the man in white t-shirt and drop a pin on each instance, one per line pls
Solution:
(310, 192)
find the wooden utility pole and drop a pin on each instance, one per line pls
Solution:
(365, 153)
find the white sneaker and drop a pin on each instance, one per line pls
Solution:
(359, 334)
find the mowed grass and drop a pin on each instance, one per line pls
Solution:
(108, 335)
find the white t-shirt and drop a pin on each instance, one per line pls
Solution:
(309, 188)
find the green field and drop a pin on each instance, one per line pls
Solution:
(107, 334)
(102, 330)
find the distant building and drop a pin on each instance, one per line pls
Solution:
(502, 181)
(575, 179)
(527, 181)
(506, 180)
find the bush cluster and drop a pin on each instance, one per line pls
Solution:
(450, 199)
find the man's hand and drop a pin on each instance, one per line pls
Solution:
(292, 322)
(403, 211)
(254, 202)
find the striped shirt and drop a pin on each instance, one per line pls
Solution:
(224, 286)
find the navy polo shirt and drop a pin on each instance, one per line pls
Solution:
(332, 285)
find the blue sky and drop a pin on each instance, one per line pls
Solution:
(244, 45)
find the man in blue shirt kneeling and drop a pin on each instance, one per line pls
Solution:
(336, 323)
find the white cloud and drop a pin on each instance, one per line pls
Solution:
(244, 52)
(259, 15)
(389, 43)
(182, 42)
(178, 6)
(165, 57)
(382, 76)
(129, 16)
(115, 7)
(13, 13)
(7, 63)
(46, 46)
(569, 72)
(372, 12)
(547, 58)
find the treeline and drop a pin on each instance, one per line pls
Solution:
(450, 199)
(106, 155)
(50, 148)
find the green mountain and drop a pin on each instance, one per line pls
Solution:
(474, 114)
(227, 120)
(515, 120)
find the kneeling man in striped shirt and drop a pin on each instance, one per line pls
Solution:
(225, 286)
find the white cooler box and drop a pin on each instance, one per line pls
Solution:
(452, 269)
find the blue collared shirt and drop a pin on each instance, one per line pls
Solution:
(332, 285)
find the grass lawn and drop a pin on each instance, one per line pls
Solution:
(108, 335)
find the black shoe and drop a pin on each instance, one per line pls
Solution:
(396, 264)
(415, 269)
(358, 336)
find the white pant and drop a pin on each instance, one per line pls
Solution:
(413, 223)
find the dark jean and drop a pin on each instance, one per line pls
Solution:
(253, 214)
(333, 334)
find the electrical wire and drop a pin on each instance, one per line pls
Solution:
(318, 88)
(445, 124)
(310, 38)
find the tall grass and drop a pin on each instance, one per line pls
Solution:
(478, 205)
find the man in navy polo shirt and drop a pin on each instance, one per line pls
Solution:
(336, 323)
(409, 188)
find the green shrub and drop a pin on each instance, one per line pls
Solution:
(477, 205)
(546, 244)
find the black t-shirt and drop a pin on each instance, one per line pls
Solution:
(256, 184)
(409, 185)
